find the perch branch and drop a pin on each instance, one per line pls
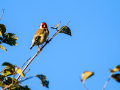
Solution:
(40, 50)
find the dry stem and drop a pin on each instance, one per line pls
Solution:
(107, 82)
(83, 84)
(2, 13)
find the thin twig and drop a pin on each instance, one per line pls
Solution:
(27, 78)
(25, 62)
(2, 13)
(83, 84)
(7, 86)
(23, 65)
(107, 82)
(25, 74)
(40, 50)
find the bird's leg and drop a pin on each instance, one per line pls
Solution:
(47, 39)
(38, 48)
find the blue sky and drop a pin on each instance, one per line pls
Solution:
(94, 45)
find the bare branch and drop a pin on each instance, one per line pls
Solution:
(107, 82)
(83, 84)
(2, 13)
(25, 62)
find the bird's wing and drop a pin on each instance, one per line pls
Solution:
(36, 40)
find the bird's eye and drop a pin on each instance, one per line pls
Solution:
(44, 26)
(44, 29)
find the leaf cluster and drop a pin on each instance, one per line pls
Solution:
(11, 83)
(14, 84)
(5, 80)
(43, 80)
(115, 73)
(8, 38)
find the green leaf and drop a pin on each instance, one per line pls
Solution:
(18, 70)
(57, 26)
(86, 75)
(9, 69)
(66, 30)
(10, 39)
(43, 80)
(2, 29)
(2, 84)
(1, 47)
(8, 81)
(2, 77)
(7, 72)
(23, 88)
(116, 77)
(1, 38)
(8, 64)
(117, 68)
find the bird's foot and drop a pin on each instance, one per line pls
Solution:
(47, 41)
(39, 49)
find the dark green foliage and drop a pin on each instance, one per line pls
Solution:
(43, 80)
(8, 38)
(116, 77)
(2, 29)
(9, 69)
(66, 30)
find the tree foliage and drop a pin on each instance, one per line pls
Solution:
(12, 83)
(8, 38)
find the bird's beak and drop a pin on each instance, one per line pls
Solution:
(44, 26)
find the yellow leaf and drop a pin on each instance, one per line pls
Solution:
(18, 70)
(86, 75)
(117, 68)
(1, 47)
(57, 26)
(116, 77)
(1, 33)
(8, 70)
(2, 29)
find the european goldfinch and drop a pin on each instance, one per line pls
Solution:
(40, 36)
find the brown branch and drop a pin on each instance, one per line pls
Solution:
(39, 50)
(25, 62)
(83, 84)
(7, 86)
(27, 78)
(107, 82)
(2, 13)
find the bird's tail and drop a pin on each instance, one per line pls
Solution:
(31, 47)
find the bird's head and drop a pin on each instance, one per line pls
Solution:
(43, 25)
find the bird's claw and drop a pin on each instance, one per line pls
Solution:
(39, 49)
(47, 41)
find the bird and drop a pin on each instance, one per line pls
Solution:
(41, 35)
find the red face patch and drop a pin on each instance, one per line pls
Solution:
(44, 25)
